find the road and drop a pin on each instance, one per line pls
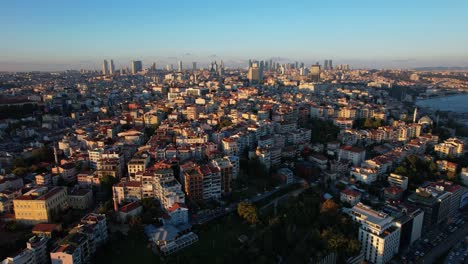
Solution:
(293, 193)
(443, 247)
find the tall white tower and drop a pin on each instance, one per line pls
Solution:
(415, 114)
(112, 67)
(105, 67)
(180, 66)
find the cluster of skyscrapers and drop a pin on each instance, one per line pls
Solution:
(328, 65)
(255, 72)
(108, 68)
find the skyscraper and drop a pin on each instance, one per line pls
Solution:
(315, 72)
(112, 67)
(255, 74)
(194, 66)
(330, 65)
(325, 65)
(221, 69)
(180, 66)
(105, 67)
(137, 66)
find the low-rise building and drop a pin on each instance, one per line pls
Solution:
(398, 180)
(40, 205)
(350, 196)
(170, 239)
(364, 175)
(80, 199)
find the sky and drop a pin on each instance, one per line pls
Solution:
(57, 35)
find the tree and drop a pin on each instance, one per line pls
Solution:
(107, 182)
(322, 131)
(20, 171)
(248, 211)
(225, 123)
(329, 207)
(12, 226)
(135, 223)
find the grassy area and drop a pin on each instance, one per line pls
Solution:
(126, 249)
(216, 239)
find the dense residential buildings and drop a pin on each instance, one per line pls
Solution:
(35, 252)
(171, 148)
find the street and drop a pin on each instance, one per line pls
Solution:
(446, 244)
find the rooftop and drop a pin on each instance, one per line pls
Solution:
(41, 193)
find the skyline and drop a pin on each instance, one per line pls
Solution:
(56, 35)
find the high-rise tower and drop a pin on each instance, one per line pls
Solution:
(112, 67)
(180, 66)
(137, 66)
(105, 67)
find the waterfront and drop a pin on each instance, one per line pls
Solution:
(454, 103)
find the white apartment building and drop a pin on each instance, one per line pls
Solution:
(450, 147)
(398, 180)
(354, 154)
(364, 174)
(379, 236)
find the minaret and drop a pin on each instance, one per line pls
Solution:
(55, 154)
(415, 114)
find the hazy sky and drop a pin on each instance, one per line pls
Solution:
(53, 35)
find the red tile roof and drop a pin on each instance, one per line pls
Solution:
(176, 206)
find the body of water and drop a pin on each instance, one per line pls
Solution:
(454, 103)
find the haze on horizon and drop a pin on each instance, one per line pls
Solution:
(58, 35)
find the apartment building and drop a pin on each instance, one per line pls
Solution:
(378, 234)
(138, 163)
(364, 174)
(398, 181)
(451, 147)
(354, 154)
(34, 253)
(226, 170)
